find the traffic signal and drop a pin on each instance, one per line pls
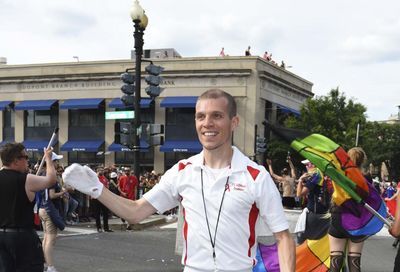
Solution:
(154, 80)
(261, 145)
(124, 133)
(128, 88)
(156, 140)
(153, 129)
(152, 134)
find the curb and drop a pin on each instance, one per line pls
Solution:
(115, 223)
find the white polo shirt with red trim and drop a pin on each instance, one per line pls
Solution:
(250, 194)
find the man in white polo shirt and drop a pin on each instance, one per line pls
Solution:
(222, 193)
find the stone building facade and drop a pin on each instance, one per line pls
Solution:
(36, 98)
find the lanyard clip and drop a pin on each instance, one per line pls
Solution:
(215, 261)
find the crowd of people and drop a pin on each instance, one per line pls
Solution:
(266, 56)
(75, 206)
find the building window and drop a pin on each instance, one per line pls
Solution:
(90, 158)
(86, 124)
(86, 118)
(38, 118)
(40, 124)
(180, 124)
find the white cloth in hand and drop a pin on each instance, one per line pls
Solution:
(83, 179)
(301, 221)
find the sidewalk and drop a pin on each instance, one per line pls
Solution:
(115, 223)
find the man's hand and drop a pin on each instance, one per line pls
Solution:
(83, 179)
(304, 177)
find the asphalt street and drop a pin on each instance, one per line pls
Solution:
(152, 249)
(120, 251)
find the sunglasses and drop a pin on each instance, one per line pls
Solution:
(26, 157)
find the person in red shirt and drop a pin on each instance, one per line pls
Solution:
(98, 208)
(127, 186)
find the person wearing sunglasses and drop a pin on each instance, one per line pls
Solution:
(20, 246)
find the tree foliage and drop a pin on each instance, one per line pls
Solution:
(332, 115)
(382, 143)
(337, 117)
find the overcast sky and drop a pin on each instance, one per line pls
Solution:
(353, 45)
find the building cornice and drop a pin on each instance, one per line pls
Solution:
(116, 75)
(284, 83)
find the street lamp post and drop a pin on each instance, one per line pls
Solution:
(140, 20)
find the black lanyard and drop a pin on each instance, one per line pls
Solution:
(213, 241)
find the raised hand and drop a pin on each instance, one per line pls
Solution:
(83, 179)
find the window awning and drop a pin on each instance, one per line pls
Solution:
(35, 104)
(82, 103)
(83, 145)
(288, 110)
(179, 102)
(144, 147)
(181, 146)
(36, 145)
(4, 105)
(117, 103)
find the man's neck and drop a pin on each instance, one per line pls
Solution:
(217, 158)
(10, 167)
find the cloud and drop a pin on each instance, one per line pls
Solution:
(329, 43)
(378, 44)
(70, 23)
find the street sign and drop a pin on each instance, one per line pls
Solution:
(120, 115)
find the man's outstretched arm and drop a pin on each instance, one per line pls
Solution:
(85, 180)
(132, 211)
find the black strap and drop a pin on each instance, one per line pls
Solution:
(213, 241)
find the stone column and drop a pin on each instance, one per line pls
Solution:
(1, 125)
(63, 123)
(19, 126)
(109, 157)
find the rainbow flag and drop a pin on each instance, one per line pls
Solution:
(311, 256)
(365, 211)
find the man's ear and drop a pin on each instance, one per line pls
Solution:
(235, 122)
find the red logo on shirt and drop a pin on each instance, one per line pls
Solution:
(239, 187)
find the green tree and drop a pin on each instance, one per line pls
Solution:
(278, 151)
(337, 117)
(332, 115)
(381, 142)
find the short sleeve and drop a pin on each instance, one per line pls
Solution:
(164, 195)
(269, 203)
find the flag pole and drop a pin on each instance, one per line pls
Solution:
(375, 213)
(53, 136)
(344, 182)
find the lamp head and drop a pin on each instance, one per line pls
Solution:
(136, 11)
(143, 21)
